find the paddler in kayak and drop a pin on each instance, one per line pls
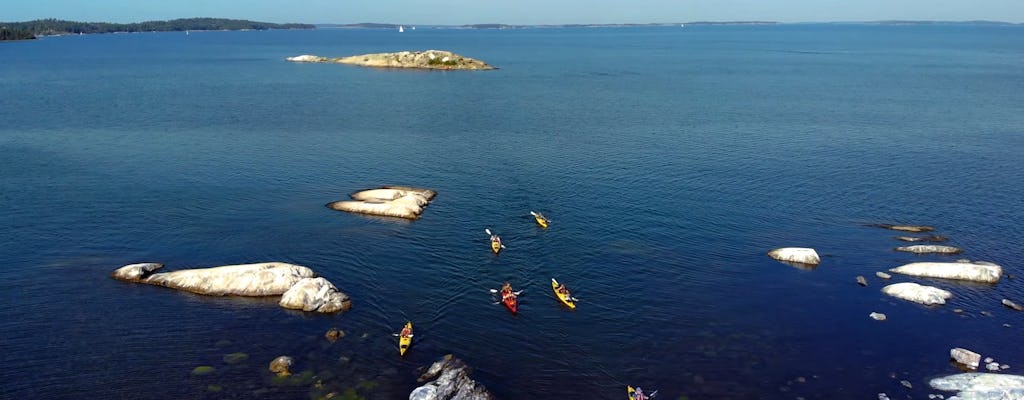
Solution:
(638, 394)
(562, 289)
(496, 244)
(406, 331)
(506, 292)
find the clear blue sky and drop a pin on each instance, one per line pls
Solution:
(515, 12)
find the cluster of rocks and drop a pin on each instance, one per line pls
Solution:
(428, 59)
(298, 286)
(387, 201)
(448, 379)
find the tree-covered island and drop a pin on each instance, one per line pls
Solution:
(42, 27)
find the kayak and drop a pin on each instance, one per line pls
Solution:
(633, 395)
(405, 341)
(541, 220)
(565, 298)
(510, 302)
(496, 244)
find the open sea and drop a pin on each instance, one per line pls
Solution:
(670, 160)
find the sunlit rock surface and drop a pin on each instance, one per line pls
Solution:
(800, 255)
(910, 291)
(427, 59)
(388, 201)
(982, 386)
(448, 379)
(298, 285)
(929, 249)
(975, 272)
(315, 294)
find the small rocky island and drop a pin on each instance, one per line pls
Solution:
(428, 59)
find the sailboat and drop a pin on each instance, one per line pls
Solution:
(401, 29)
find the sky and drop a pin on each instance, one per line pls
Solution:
(458, 12)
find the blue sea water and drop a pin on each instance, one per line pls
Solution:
(669, 160)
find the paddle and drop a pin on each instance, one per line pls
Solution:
(488, 230)
(398, 334)
(515, 293)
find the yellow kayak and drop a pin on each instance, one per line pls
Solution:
(566, 298)
(540, 218)
(495, 244)
(631, 392)
(405, 339)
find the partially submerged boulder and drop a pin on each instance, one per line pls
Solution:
(976, 272)
(930, 249)
(135, 272)
(905, 228)
(281, 365)
(982, 386)
(801, 255)
(449, 379)
(388, 201)
(927, 295)
(315, 294)
(966, 357)
(295, 282)
(933, 238)
(307, 58)
(262, 279)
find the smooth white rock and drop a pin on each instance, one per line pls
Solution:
(952, 270)
(877, 316)
(910, 291)
(135, 272)
(966, 357)
(929, 249)
(315, 294)
(982, 386)
(801, 255)
(307, 58)
(262, 279)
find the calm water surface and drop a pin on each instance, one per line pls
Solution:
(670, 161)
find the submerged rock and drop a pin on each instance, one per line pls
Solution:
(388, 201)
(966, 357)
(883, 275)
(982, 386)
(930, 249)
(315, 294)
(905, 228)
(800, 255)
(877, 316)
(449, 379)
(910, 291)
(975, 272)
(861, 281)
(1012, 305)
(933, 238)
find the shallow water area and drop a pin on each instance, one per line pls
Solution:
(669, 162)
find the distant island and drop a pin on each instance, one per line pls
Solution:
(45, 27)
(428, 59)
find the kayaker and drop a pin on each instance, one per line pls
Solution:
(495, 238)
(562, 289)
(406, 332)
(639, 395)
(506, 291)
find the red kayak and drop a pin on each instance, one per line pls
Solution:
(509, 299)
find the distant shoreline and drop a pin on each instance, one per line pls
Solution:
(56, 27)
(374, 25)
